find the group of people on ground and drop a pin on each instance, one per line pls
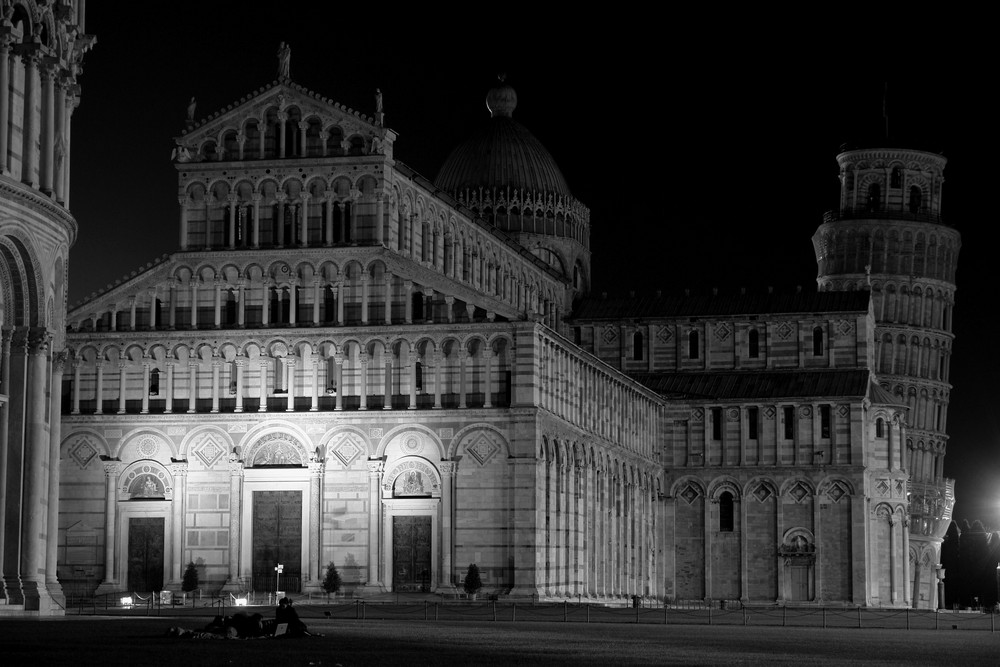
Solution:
(286, 623)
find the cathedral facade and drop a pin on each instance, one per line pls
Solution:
(346, 362)
(41, 48)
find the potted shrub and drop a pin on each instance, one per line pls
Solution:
(190, 581)
(331, 583)
(472, 582)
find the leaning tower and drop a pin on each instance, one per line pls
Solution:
(888, 236)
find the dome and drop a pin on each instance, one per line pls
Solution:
(502, 154)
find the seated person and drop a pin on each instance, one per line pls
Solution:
(285, 613)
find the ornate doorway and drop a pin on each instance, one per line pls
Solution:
(411, 553)
(277, 538)
(145, 554)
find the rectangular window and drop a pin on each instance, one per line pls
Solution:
(824, 421)
(752, 416)
(716, 423)
(789, 419)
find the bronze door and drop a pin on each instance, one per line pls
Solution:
(277, 538)
(411, 553)
(145, 554)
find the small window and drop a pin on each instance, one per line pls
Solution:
(874, 197)
(726, 512)
(753, 415)
(897, 177)
(693, 345)
(154, 382)
(716, 423)
(637, 346)
(879, 428)
(753, 344)
(818, 342)
(915, 197)
(824, 421)
(789, 419)
(419, 373)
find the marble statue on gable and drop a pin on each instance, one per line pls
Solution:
(284, 60)
(192, 105)
(379, 115)
(181, 154)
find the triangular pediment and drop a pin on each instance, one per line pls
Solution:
(279, 97)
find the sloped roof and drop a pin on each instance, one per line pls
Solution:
(721, 305)
(746, 385)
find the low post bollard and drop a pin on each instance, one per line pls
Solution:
(859, 616)
(513, 612)
(425, 610)
(494, 611)
(907, 615)
(357, 610)
(824, 618)
(710, 613)
(783, 611)
(435, 611)
(565, 611)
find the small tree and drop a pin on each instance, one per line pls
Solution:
(190, 581)
(472, 582)
(331, 584)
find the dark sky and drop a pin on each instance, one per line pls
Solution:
(703, 166)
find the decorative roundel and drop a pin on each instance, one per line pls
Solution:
(284, 269)
(412, 444)
(147, 446)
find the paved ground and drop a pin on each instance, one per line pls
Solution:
(140, 641)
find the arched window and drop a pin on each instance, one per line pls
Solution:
(154, 382)
(915, 196)
(753, 342)
(879, 428)
(419, 372)
(637, 346)
(818, 342)
(693, 345)
(874, 197)
(726, 512)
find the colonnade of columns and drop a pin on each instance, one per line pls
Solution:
(29, 485)
(40, 157)
(283, 376)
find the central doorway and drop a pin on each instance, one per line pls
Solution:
(411, 553)
(277, 538)
(145, 554)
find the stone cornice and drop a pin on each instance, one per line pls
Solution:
(11, 190)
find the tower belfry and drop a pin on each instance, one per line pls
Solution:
(888, 232)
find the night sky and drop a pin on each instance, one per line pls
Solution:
(707, 167)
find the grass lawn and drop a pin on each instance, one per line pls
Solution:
(140, 642)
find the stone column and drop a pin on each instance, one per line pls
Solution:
(121, 387)
(339, 295)
(131, 313)
(464, 359)
(111, 471)
(265, 304)
(446, 579)
(317, 292)
(289, 368)
(152, 309)
(193, 390)
(488, 356)
(235, 522)
(77, 363)
(314, 404)
(329, 220)
(338, 363)
(30, 58)
(282, 119)
(374, 525)
(183, 202)
(438, 358)
(411, 367)
(388, 298)
(52, 499)
(264, 361)
(194, 303)
(255, 239)
(365, 279)
(240, 362)
(408, 301)
(216, 366)
(169, 406)
(179, 472)
(48, 126)
(387, 383)
(363, 358)
(279, 224)
(175, 288)
(217, 323)
(315, 540)
(293, 300)
(304, 221)
(241, 303)
(145, 386)
(5, 42)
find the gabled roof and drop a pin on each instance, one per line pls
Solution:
(721, 305)
(280, 93)
(749, 385)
